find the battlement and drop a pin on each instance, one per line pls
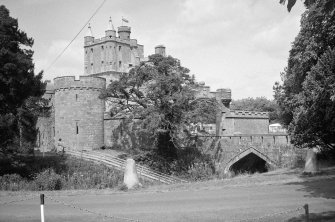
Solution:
(248, 114)
(94, 41)
(133, 42)
(123, 29)
(203, 91)
(223, 94)
(88, 82)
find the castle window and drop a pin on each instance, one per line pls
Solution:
(119, 48)
(92, 50)
(120, 63)
(102, 47)
(86, 52)
(77, 128)
(91, 64)
(76, 97)
(130, 65)
(102, 62)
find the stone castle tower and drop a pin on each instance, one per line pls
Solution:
(111, 55)
(77, 116)
(79, 113)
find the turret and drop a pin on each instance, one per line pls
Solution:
(110, 32)
(79, 112)
(89, 36)
(124, 32)
(224, 95)
(160, 49)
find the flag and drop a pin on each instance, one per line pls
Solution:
(125, 20)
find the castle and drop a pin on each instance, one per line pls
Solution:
(80, 119)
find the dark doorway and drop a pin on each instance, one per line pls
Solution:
(251, 163)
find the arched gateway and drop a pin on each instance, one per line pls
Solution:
(251, 152)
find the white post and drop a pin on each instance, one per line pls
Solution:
(42, 207)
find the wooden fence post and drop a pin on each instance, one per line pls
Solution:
(306, 213)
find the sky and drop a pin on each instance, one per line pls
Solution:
(241, 44)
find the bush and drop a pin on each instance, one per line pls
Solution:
(12, 182)
(201, 171)
(48, 180)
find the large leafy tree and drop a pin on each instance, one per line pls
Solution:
(314, 120)
(161, 94)
(305, 96)
(328, 4)
(20, 88)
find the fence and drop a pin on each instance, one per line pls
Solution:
(119, 164)
(111, 217)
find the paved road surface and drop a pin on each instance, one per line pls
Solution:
(222, 203)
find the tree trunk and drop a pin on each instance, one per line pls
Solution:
(20, 132)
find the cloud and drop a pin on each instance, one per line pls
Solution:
(70, 63)
(242, 45)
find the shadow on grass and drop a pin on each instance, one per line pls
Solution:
(315, 217)
(27, 166)
(319, 185)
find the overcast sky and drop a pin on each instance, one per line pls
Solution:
(237, 44)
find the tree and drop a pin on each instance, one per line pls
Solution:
(304, 99)
(314, 119)
(161, 94)
(20, 88)
(329, 4)
(259, 104)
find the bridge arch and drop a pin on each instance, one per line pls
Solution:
(244, 154)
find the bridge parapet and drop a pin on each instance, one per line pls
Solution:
(222, 149)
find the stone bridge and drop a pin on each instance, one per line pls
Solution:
(250, 152)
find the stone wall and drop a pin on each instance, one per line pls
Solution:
(79, 113)
(276, 147)
(122, 133)
(45, 125)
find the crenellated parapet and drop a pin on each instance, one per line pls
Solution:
(84, 82)
(96, 41)
(222, 95)
(248, 114)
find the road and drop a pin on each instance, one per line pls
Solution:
(212, 201)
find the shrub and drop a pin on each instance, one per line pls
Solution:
(48, 180)
(12, 182)
(201, 171)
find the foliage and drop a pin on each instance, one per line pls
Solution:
(13, 182)
(329, 5)
(161, 94)
(20, 88)
(58, 172)
(48, 180)
(305, 96)
(314, 121)
(260, 104)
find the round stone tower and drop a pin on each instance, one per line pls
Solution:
(110, 32)
(160, 49)
(79, 113)
(88, 38)
(124, 32)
